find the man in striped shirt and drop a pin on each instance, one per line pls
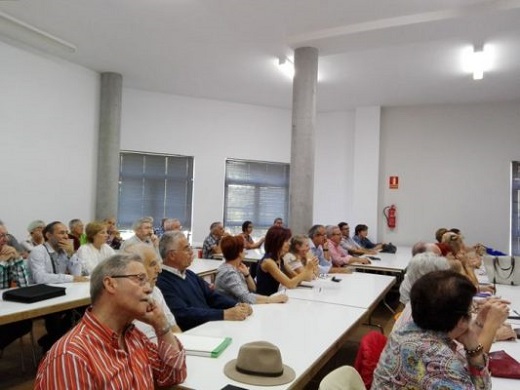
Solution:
(105, 350)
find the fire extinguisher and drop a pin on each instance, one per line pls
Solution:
(390, 214)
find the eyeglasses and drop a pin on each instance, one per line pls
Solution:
(3, 235)
(142, 279)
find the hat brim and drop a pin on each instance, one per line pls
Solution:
(231, 372)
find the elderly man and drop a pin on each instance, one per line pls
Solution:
(77, 233)
(172, 225)
(211, 244)
(35, 238)
(320, 248)
(340, 258)
(152, 262)
(187, 295)
(105, 350)
(55, 262)
(348, 243)
(143, 229)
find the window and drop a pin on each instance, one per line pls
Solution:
(156, 185)
(515, 205)
(256, 191)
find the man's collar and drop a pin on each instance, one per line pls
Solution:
(175, 271)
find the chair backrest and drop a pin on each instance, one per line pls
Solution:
(342, 378)
(370, 348)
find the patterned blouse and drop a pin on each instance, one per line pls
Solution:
(421, 359)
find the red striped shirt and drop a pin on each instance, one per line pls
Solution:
(89, 357)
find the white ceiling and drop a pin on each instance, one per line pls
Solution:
(372, 52)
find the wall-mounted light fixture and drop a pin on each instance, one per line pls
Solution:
(286, 66)
(477, 60)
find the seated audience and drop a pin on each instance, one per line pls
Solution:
(269, 274)
(361, 237)
(340, 258)
(422, 354)
(348, 243)
(320, 248)
(233, 277)
(187, 295)
(96, 249)
(114, 239)
(13, 273)
(76, 233)
(152, 263)
(143, 229)
(211, 245)
(105, 350)
(296, 258)
(247, 229)
(35, 237)
(55, 262)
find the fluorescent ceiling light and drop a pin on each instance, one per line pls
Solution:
(477, 61)
(23, 32)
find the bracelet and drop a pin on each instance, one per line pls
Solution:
(474, 352)
(164, 330)
(247, 276)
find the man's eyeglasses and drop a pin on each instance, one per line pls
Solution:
(3, 235)
(142, 279)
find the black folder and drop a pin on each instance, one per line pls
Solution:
(31, 294)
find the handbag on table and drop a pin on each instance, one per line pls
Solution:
(503, 270)
(503, 365)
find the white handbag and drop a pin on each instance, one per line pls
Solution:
(503, 269)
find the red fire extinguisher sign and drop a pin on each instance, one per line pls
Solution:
(393, 182)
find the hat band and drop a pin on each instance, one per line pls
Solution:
(266, 374)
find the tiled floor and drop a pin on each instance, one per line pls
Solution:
(13, 377)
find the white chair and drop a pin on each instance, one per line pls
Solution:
(342, 378)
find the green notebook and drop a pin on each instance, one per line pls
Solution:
(203, 345)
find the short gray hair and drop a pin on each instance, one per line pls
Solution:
(313, 230)
(74, 222)
(168, 241)
(114, 265)
(330, 229)
(420, 265)
(168, 223)
(141, 221)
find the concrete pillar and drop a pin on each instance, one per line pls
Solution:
(301, 189)
(107, 190)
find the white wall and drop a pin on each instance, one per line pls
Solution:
(209, 130)
(48, 127)
(453, 164)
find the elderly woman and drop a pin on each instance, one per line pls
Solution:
(96, 249)
(269, 270)
(422, 354)
(249, 243)
(427, 262)
(296, 258)
(233, 277)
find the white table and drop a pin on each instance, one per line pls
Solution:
(390, 262)
(308, 334)
(76, 295)
(363, 290)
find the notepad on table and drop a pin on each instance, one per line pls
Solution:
(203, 345)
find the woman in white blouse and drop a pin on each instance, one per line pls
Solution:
(96, 249)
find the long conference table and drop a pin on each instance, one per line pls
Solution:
(76, 295)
